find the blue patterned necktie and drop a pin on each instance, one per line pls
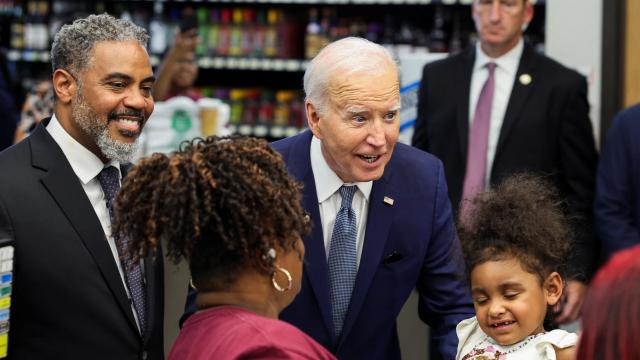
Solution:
(342, 259)
(110, 181)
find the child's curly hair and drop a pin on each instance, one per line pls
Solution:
(521, 218)
(220, 203)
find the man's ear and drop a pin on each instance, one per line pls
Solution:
(528, 12)
(313, 119)
(64, 85)
(552, 288)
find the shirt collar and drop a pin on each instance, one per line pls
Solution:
(508, 62)
(327, 182)
(84, 163)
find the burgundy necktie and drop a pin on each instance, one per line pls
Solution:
(474, 179)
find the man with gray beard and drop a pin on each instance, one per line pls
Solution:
(77, 294)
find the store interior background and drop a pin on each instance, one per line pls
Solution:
(596, 37)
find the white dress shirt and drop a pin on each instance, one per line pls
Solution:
(86, 165)
(329, 199)
(504, 75)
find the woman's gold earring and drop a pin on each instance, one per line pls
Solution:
(275, 282)
(191, 284)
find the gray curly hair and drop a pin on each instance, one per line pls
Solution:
(73, 44)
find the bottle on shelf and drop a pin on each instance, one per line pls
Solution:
(251, 106)
(17, 29)
(236, 100)
(203, 31)
(259, 33)
(224, 38)
(266, 109)
(237, 27)
(157, 30)
(438, 36)
(455, 41)
(213, 32)
(271, 41)
(312, 36)
(282, 108)
(248, 32)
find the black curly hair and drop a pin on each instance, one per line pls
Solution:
(521, 218)
(221, 203)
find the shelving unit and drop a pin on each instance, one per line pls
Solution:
(295, 26)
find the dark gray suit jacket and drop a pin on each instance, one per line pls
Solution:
(546, 130)
(68, 300)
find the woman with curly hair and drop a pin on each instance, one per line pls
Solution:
(229, 207)
(515, 243)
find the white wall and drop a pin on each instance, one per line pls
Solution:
(573, 36)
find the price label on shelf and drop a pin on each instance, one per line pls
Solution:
(291, 130)
(260, 130)
(245, 130)
(217, 62)
(277, 131)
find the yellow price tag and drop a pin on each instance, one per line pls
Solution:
(4, 341)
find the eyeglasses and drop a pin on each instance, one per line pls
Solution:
(509, 6)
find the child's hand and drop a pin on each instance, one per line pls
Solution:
(568, 308)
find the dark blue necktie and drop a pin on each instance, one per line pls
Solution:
(342, 259)
(110, 181)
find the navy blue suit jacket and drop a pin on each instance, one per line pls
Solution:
(617, 205)
(410, 243)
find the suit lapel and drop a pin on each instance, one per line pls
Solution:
(150, 286)
(315, 261)
(65, 188)
(379, 219)
(519, 95)
(463, 81)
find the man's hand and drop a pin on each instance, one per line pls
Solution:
(186, 41)
(568, 308)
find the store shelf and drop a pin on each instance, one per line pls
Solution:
(339, 2)
(29, 55)
(233, 63)
(274, 131)
(207, 62)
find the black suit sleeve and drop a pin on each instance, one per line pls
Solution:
(420, 139)
(578, 159)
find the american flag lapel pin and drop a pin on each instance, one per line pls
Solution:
(388, 200)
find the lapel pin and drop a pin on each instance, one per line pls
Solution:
(525, 79)
(388, 200)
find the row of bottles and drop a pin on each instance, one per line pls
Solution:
(35, 22)
(260, 31)
(6, 7)
(259, 106)
(30, 27)
(401, 35)
(235, 32)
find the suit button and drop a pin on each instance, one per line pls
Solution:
(144, 355)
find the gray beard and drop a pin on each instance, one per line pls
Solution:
(92, 125)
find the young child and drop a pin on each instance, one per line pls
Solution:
(514, 245)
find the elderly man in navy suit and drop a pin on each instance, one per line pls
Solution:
(381, 214)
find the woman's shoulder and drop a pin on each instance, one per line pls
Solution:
(238, 333)
(276, 337)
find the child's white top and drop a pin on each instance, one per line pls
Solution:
(474, 344)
